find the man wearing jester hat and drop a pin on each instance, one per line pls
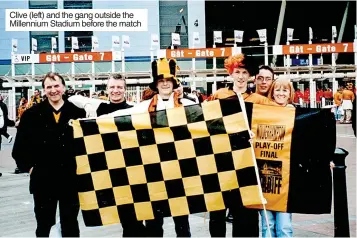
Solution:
(164, 83)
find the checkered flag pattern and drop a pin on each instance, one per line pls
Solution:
(172, 162)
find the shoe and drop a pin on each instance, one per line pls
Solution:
(18, 171)
(10, 139)
(229, 218)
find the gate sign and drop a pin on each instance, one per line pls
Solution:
(24, 58)
(75, 57)
(326, 48)
(199, 53)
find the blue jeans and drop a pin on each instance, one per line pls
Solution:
(337, 115)
(280, 224)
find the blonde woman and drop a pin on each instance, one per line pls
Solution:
(282, 92)
(280, 223)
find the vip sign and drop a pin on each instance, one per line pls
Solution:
(24, 58)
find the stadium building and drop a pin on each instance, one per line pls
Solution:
(184, 17)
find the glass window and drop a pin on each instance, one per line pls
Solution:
(44, 42)
(84, 40)
(84, 37)
(78, 4)
(43, 38)
(173, 19)
(48, 4)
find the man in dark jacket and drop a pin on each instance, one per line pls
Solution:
(116, 88)
(44, 148)
(7, 121)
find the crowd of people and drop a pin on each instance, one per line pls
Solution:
(50, 160)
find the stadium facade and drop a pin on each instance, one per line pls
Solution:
(185, 17)
(164, 17)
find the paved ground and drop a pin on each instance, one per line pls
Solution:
(17, 217)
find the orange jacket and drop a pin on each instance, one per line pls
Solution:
(253, 97)
(348, 95)
(337, 98)
(34, 100)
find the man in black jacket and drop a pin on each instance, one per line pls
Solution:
(7, 121)
(44, 148)
(116, 88)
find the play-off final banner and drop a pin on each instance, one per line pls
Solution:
(293, 148)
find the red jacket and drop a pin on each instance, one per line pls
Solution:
(319, 95)
(328, 94)
(307, 95)
(298, 95)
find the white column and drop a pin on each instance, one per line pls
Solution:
(52, 64)
(333, 61)
(113, 61)
(32, 65)
(310, 56)
(73, 70)
(151, 54)
(193, 84)
(138, 96)
(288, 62)
(12, 64)
(214, 85)
(122, 60)
(266, 58)
(12, 103)
(72, 65)
(93, 65)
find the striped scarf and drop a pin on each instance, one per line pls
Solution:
(155, 100)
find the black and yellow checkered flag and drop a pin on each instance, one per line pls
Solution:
(166, 163)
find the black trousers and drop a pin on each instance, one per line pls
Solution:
(133, 229)
(3, 132)
(182, 227)
(245, 222)
(45, 211)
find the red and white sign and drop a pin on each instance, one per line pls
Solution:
(326, 48)
(200, 53)
(76, 57)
